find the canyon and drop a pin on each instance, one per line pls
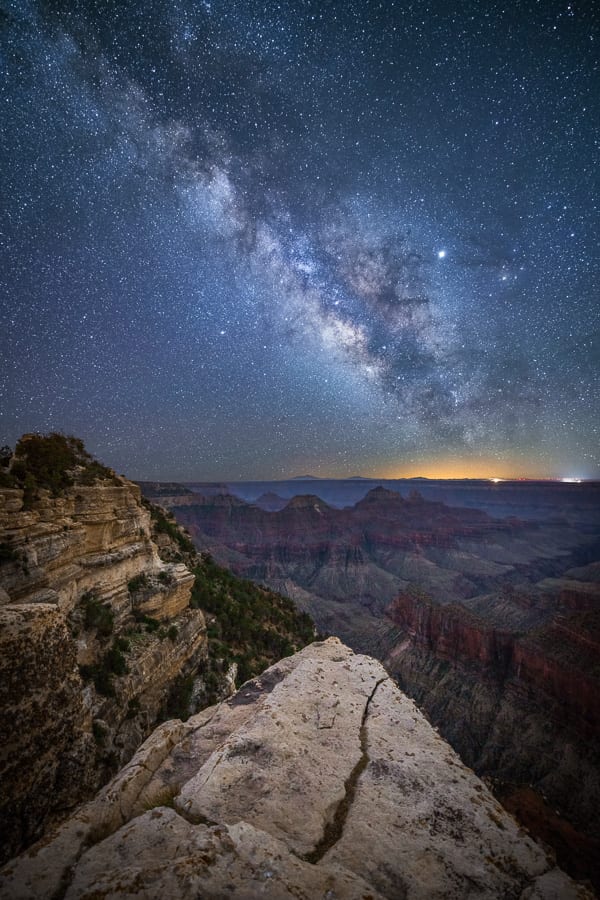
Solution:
(131, 765)
(490, 623)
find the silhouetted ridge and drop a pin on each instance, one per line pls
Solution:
(307, 501)
(380, 495)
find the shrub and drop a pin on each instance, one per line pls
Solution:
(164, 525)
(103, 681)
(165, 577)
(29, 490)
(137, 583)
(49, 461)
(7, 554)
(151, 624)
(178, 701)
(5, 456)
(115, 662)
(133, 708)
(7, 480)
(172, 633)
(213, 630)
(99, 730)
(255, 624)
(112, 663)
(97, 615)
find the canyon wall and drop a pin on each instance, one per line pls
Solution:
(95, 628)
(522, 709)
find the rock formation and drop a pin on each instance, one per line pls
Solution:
(318, 779)
(102, 630)
(94, 630)
(490, 625)
(521, 708)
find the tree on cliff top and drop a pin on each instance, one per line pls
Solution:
(54, 461)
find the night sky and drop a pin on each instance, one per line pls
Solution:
(259, 239)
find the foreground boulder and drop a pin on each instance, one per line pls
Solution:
(318, 779)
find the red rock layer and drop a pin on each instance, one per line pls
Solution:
(559, 662)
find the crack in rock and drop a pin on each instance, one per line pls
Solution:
(334, 829)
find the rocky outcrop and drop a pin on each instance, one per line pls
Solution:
(344, 566)
(492, 626)
(91, 538)
(318, 779)
(45, 728)
(452, 632)
(364, 556)
(270, 501)
(557, 660)
(95, 629)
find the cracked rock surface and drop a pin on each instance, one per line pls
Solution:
(319, 779)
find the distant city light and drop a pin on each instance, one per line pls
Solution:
(496, 480)
(571, 480)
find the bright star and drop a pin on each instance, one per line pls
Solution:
(441, 254)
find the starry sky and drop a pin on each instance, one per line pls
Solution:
(247, 239)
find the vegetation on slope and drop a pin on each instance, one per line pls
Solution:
(248, 625)
(251, 625)
(52, 461)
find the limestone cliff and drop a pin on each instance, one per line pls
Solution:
(94, 630)
(319, 779)
(103, 631)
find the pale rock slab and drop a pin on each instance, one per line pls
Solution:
(320, 779)
(159, 854)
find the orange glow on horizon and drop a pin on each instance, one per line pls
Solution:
(459, 468)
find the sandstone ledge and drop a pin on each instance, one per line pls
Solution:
(318, 779)
(80, 685)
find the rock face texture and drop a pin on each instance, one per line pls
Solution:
(492, 626)
(94, 537)
(318, 779)
(520, 708)
(345, 566)
(43, 719)
(94, 630)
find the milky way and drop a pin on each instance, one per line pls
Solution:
(246, 240)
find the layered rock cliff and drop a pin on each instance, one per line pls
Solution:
(520, 707)
(318, 779)
(346, 565)
(560, 659)
(102, 630)
(94, 629)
